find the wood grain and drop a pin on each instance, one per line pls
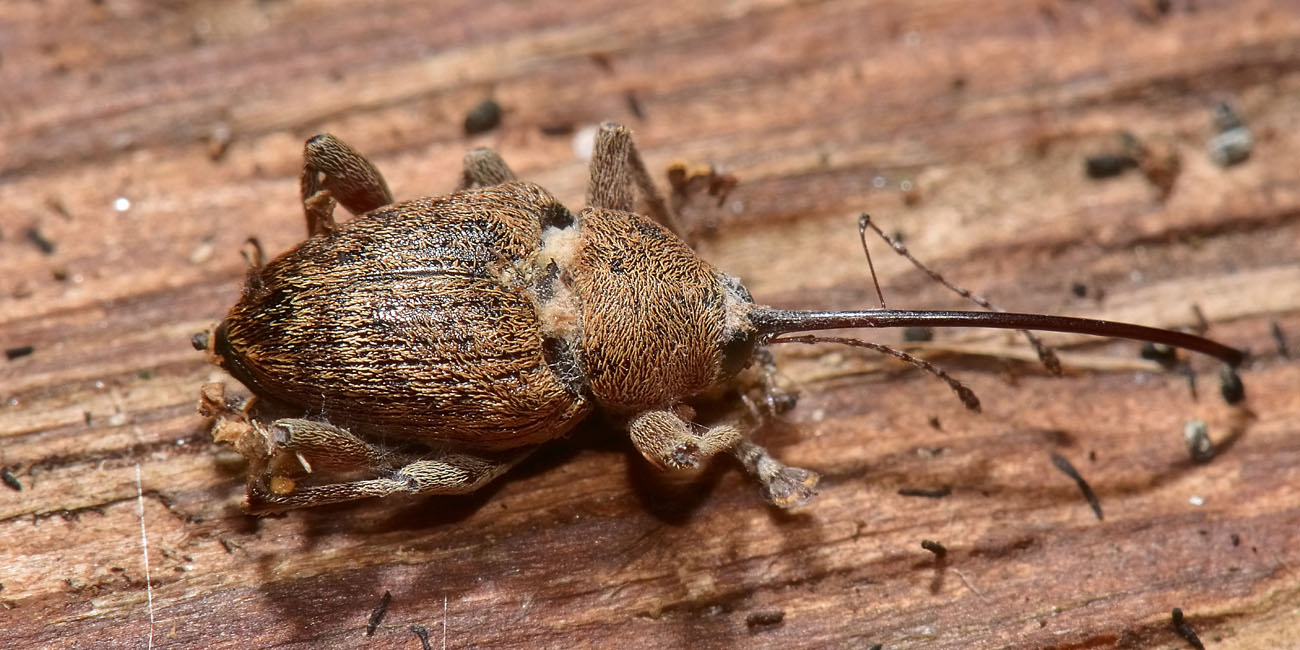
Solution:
(194, 114)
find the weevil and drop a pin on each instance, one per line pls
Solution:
(430, 345)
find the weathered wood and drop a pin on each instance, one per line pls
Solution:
(195, 114)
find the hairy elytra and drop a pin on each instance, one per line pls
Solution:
(429, 345)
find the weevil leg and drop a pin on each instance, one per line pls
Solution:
(300, 447)
(778, 400)
(253, 255)
(616, 165)
(484, 167)
(609, 186)
(686, 181)
(782, 485)
(319, 209)
(333, 171)
(450, 473)
(667, 441)
(761, 391)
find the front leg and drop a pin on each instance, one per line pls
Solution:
(782, 485)
(667, 441)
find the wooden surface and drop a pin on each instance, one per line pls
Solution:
(194, 113)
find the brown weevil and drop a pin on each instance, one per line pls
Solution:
(430, 345)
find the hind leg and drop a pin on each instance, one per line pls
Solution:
(292, 461)
(332, 171)
(300, 448)
(448, 474)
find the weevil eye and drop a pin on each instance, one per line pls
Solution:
(738, 350)
(556, 215)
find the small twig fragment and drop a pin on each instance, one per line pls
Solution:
(42, 241)
(422, 633)
(1279, 338)
(19, 352)
(1184, 629)
(1068, 469)
(1199, 445)
(765, 618)
(922, 492)
(1232, 141)
(634, 104)
(1163, 354)
(1190, 376)
(918, 334)
(485, 116)
(378, 613)
(1107, 165)
(1230, 385)
(932, 546)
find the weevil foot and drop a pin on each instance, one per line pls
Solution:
(781, 485)
(231, 423)
(791, 487)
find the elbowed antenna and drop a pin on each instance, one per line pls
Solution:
(784, 321)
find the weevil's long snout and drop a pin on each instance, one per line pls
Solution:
(770, 321)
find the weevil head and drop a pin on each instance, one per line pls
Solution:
(739, 336)
(652, 322)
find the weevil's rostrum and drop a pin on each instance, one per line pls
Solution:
(428, 346)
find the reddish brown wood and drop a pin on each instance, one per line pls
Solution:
(195, 113)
